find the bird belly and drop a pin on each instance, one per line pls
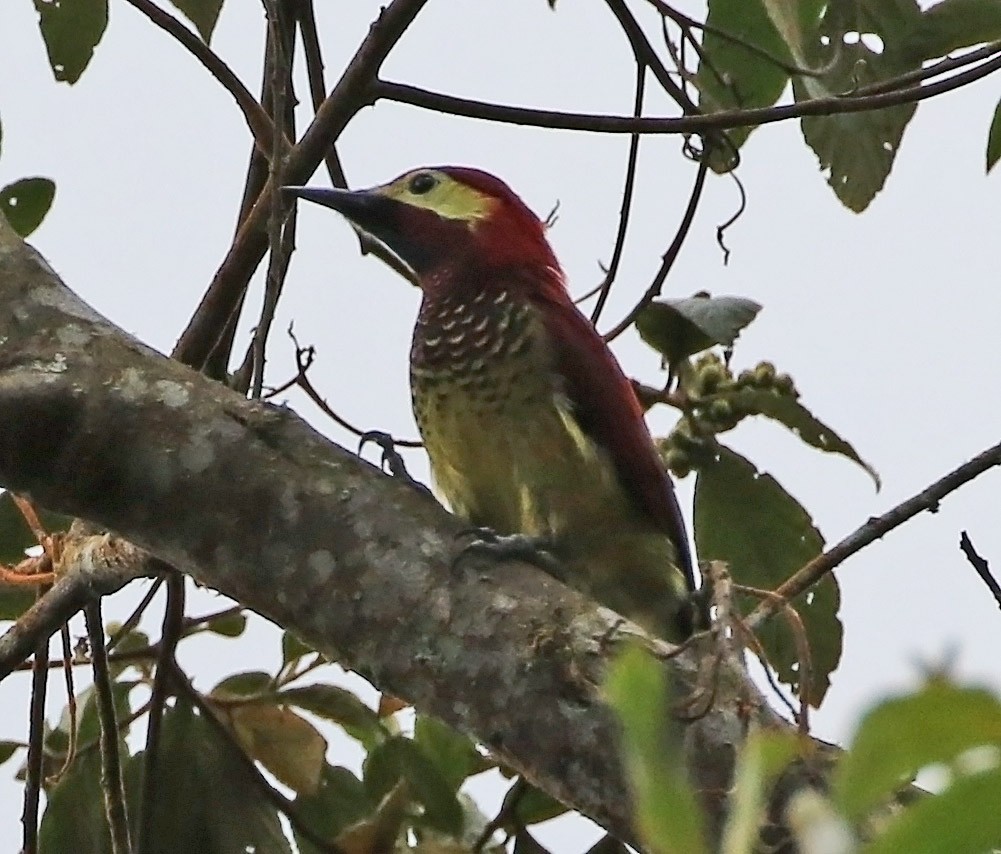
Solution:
(514, 459)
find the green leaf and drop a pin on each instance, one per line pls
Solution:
(857, 150)
(533, 806)
(336, 704)
(455, 754)
(8, 749)
(71, 30)
(204, 14)
(763, 757)
(293, 649)
(401, 759)
(953, 24)
(792, 414)
(964, 819)
(746, 518)
(795, 21)
(26, 202)
(248, 684)
(667, 812)
(14, 534)
(288, 745)
(994, 139)
(679, 328)
(730, 75)
(339, 802)
(74, 817)
(901, 736)
(209, 799)
(230, 625)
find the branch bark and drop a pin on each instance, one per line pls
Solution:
(249, 499)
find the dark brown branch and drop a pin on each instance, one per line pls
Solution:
(981, 566)
(644, 54)
(723, 120)
(36, 736)
(112, 782)
(875, 528)
(251, 242)
(257, 120)
(170, 635)
(670, 256)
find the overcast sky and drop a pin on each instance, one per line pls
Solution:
(887, 320)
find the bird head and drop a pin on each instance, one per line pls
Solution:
(445, 222)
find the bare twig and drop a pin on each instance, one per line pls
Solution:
(644, 53)
(874, 529)
(257, 120)
(803, 653)
(173, 625)
(605, 288)
(36, 735)
(67, 665)
(981, 566)
(133, 619)
(670, 256)
(723, 120)
(111, 763)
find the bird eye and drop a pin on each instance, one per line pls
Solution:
(422, 183)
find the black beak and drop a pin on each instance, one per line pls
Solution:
(363, 208)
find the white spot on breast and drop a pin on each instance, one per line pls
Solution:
(321, 561)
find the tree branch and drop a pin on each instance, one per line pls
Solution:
(250, 500)
(874, 529)
(723, 120)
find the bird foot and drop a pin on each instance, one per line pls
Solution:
(391, 458)
(537, 551)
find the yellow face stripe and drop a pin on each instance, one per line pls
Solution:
(448, 198)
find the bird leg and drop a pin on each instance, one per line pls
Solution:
(538, 551)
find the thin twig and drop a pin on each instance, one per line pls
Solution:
(803, 652)
(605, 288)
(281, 234)
(36, 735)
(133, 619)
(874, 529)
(257, 120)
(67, 665)
(644, 53)
(111, 763)
(981, 566)
(171, 632)
(669, 256)
(722, 120)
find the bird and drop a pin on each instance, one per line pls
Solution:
(534, 434)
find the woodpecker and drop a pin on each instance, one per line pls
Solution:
(532, 429)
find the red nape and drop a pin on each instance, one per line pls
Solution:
(512, 236)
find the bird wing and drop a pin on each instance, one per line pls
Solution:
(608, 411)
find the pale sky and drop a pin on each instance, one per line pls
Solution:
(886, 320)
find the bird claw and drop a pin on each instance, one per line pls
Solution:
(537, 551)
(391, 458)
